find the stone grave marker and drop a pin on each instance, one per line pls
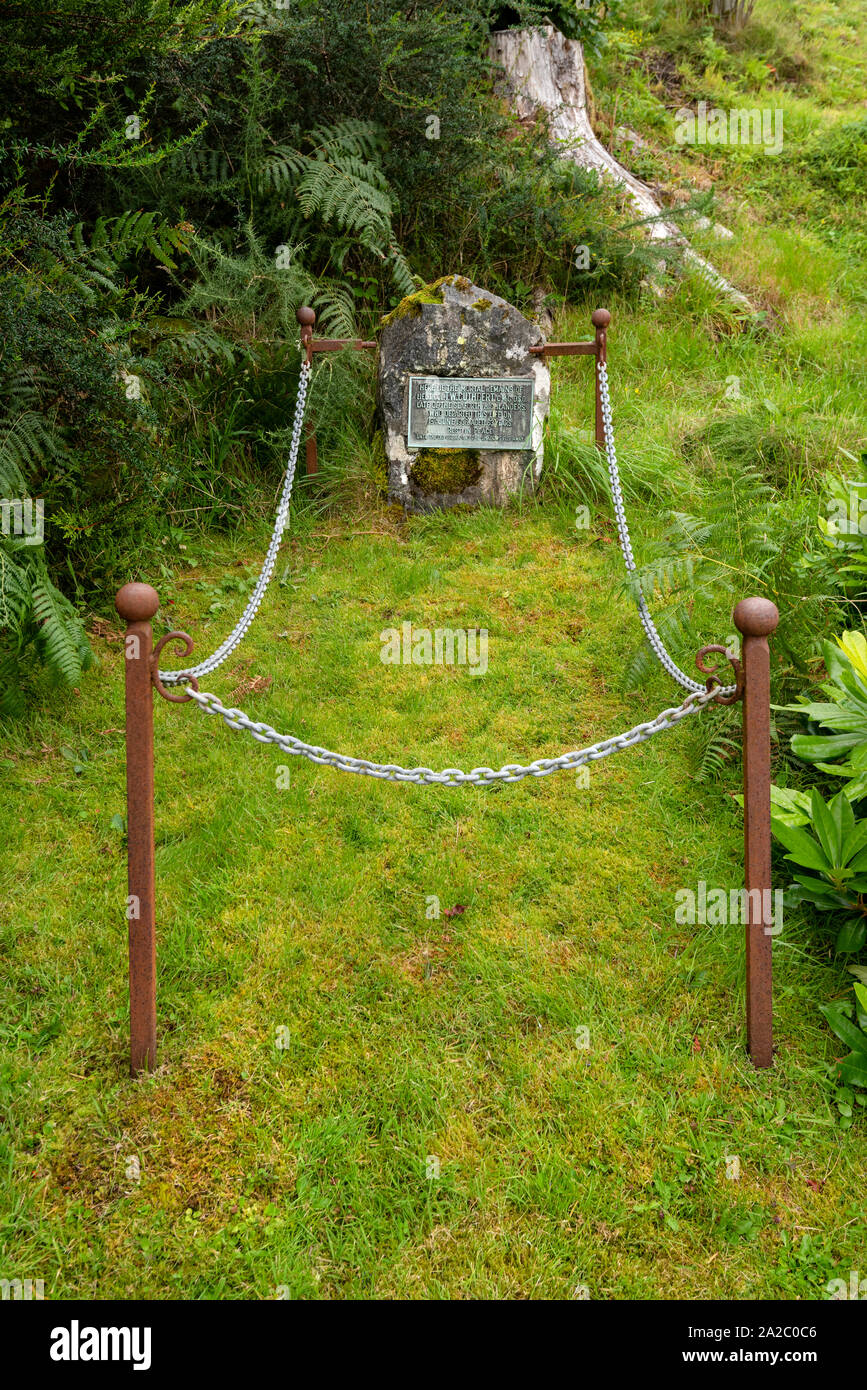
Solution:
(463, 399)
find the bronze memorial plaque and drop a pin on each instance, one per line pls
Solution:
(460, 412)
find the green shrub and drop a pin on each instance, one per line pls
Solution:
(852, 1069)
(830, 859)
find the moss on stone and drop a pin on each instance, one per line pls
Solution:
(410, 307)
(446, 470)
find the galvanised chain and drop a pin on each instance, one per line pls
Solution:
(231, 642)
(697, 699)
(452, 776)
(653, 637)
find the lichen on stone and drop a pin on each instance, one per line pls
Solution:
(481, 304)
(446, 470)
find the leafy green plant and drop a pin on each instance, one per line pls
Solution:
(585, 22)
(848, 1019)
(792, 806)
(831, 855)
(843, 752)
(70, 435)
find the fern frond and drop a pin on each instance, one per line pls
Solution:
(674, 626)
(59, 634)
(336, 304)
(719, 752)
(16, 599)
(280, 169)
(350, 136)
(113, 239)
(25, 442)
(12, 702)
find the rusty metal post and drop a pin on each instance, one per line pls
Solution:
(756, 619)
(600, 318)
(307, 319)
(137, 604)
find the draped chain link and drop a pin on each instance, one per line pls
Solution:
(698, 697)
(656, 643)
(452, 776)
(246, 619)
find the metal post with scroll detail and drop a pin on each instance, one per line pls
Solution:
(756, 619)
(137, 604)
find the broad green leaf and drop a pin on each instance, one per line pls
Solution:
(859, 861)
(817, 890)
(843, 1026)
(813, 748)
(817, 713)
(843, 815)
(854, 1069)
(804, 849)
(790, 798)
(854, 646)
(790, 806)
(851, 936)
(826, 828)
(841, 670)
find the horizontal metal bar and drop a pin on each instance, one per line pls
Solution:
(336, 344)
(564, 349)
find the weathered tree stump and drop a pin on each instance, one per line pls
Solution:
(543, 72)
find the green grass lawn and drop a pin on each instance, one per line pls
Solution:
(356, 1097)
(326, 1045)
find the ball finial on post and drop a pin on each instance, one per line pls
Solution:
(306, 317)
(137, 603)
(600, 318)
(756, 617)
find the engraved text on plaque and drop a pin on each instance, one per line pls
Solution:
(456, 412)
